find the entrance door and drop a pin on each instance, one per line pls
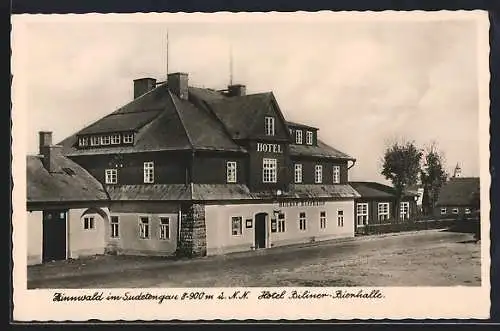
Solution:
(260, 230)
(54, 235)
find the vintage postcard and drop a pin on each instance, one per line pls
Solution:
(264, 166)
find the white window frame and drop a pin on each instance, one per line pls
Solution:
(467, 211)
(269, 127)
(309, 137)
(336, 174)
(318, 174)
(111, 176)
(115, 139)
(340, 218)
(298, 136)
(322, 220)
(88, 222)
(238, 230)
(297, 173)
(128, 138)
(302, 221)
(443, 211)
(144, 228)
(164, 228)
(280, 226)
(404, 210)
(95, 141)
(383, 211)
(149, 172)
(105, 140)
(269, 170)
(231, 171)
(83, 141)
(454, 211)
(362, 215)
(114, 221)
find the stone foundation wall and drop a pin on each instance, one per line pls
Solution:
(193, 233)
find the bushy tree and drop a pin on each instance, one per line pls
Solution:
(401, 165)
(433, 175)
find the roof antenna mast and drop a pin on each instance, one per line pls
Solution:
(230, 64)
(167, 58)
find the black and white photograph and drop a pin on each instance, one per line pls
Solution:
(328, 160)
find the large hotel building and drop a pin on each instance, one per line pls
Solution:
(195, 171)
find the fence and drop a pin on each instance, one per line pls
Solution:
(466, 226)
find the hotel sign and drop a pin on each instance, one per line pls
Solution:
(303, 203)
(269, 148)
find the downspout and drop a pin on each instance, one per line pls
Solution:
(179, 222)
(187, 181)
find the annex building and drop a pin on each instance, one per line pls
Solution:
(195, 171)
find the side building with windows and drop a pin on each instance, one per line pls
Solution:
(376, 205)
(195, 171)
(67, 208)
(458, 198)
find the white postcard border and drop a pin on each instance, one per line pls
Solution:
(398, 302)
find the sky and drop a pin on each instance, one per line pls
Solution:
(363, 83)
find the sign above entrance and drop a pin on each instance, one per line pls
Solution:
(303, 203)
(269, 148)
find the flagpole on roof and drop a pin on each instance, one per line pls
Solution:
(167, 58)
(230, 64)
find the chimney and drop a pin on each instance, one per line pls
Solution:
(143, 85)
(49, 152)
(236, 90)
(178, 84)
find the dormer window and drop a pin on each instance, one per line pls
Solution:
(95, 141)
(269, 126)
(309, 137)
(115, 139)
(83, 141)
(128, 138)
(298, 137)
(105, 140)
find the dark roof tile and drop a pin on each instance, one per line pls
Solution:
(148, 192)
(72, 184)
(375, 190)
(239, 113)
(120, 122)
(463, 191)
(313, 191)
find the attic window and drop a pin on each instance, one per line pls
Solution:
(69, 171)
(269, 126)
(83, 141)
(128, 138)
(298, 137)
(309, 137)
(94, 141)
(105, 140)
(115, 139)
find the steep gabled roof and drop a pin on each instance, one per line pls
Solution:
(208, 121)
(459, 192)
(72, 184)
(374, 190)
(203, 131)
(162, 121)
(240, 113)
